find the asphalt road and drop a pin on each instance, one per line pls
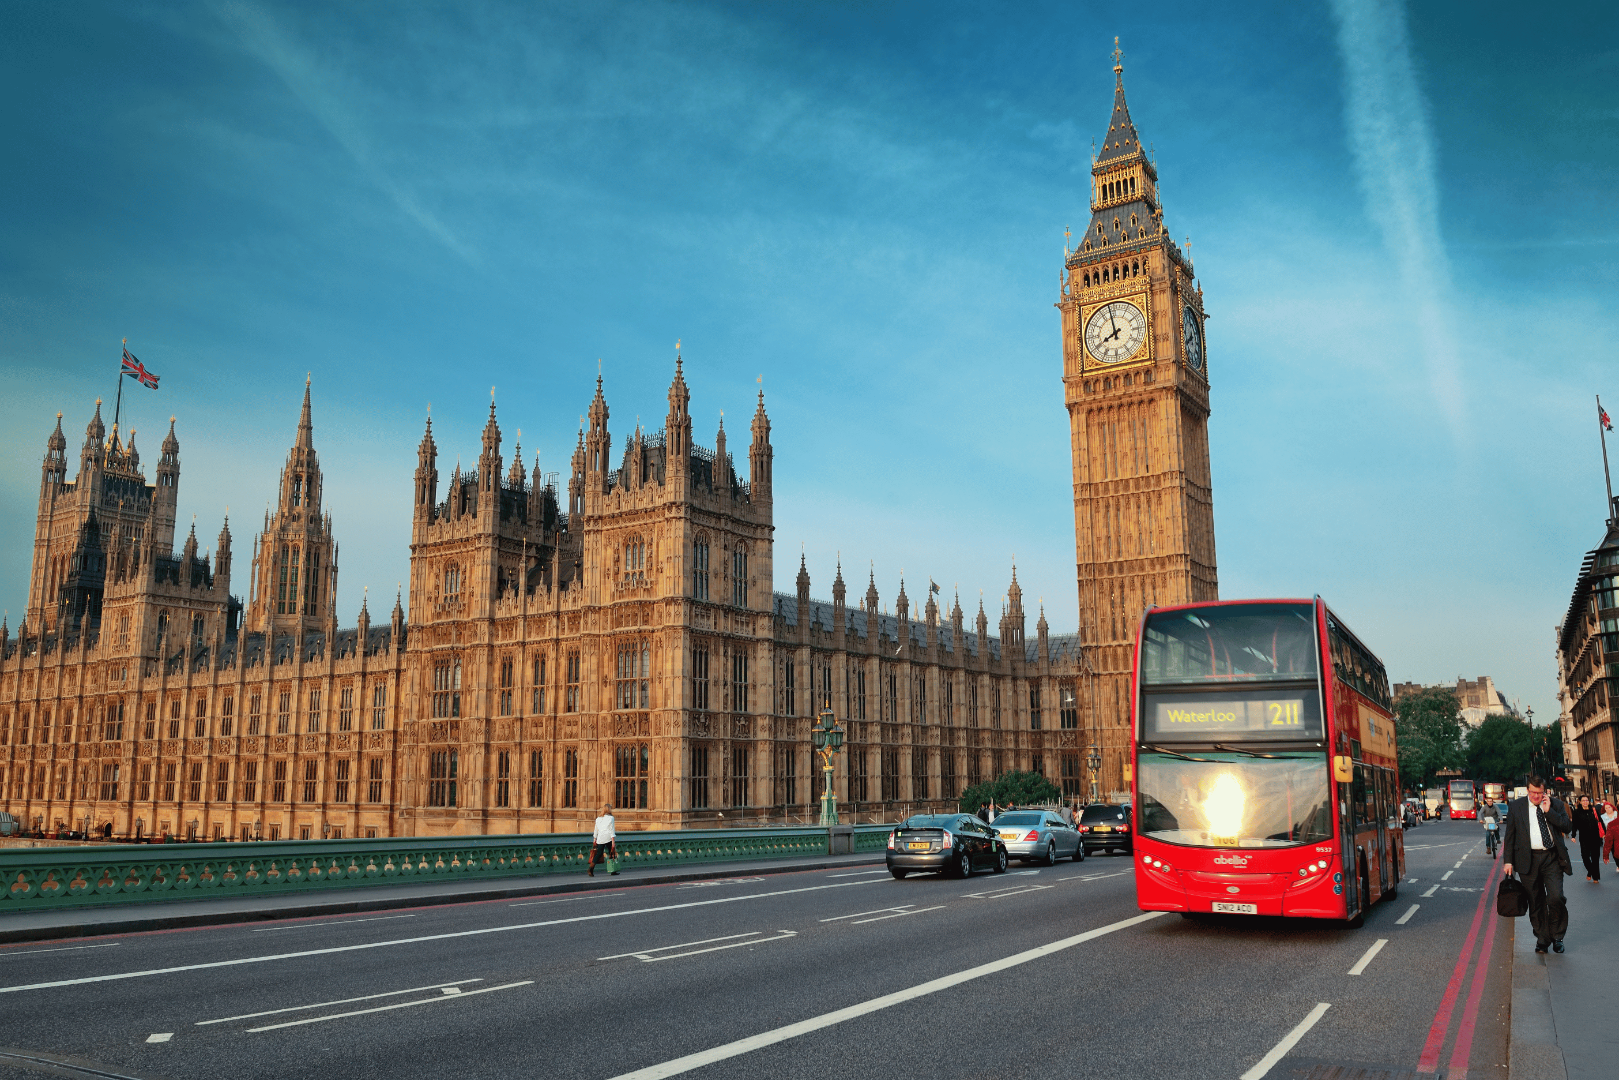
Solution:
(1048, 972)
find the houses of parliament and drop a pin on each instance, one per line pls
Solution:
(619, 641)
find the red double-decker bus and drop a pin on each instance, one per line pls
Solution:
(1265, 773)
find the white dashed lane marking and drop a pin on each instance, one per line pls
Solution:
(1410, 911)
(159, 1037)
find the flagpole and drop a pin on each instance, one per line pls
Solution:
(119, 402)
(1607, 477)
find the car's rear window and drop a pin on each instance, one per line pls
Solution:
(1102, 813)
(1020, 819)
(929, 821)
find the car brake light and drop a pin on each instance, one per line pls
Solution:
(1084, 828)
(946, 840)
(891, 838)
(1123, 828)
(1033, 835)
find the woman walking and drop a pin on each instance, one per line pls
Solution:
(1588, 827)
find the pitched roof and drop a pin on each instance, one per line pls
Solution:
(1121, 140)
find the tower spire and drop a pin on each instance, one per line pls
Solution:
(306, 427)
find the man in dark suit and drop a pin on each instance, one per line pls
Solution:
(1533, 846)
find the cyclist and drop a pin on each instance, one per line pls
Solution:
(1490, 816)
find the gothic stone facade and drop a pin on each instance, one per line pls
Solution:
(623, 647)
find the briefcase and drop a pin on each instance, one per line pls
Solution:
(1511, 899)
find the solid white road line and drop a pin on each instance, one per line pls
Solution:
(340, 1001)
(874, 911)
(345, 922)
(857, 873)
(333, 949)
(1447, 875)
(1099, 877)
(815, 1023)
(1360, 965)
(1279, 1051)
(897, 914)
(644, 953)
(159, 1037)
(1431, 890)
(65, 948)
(386, 1008)
(1410, 911)
(571, 899)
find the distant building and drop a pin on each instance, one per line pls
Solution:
(1588, 665)
(1478, 697)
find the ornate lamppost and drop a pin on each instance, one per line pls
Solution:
(827, 738)
(1094, 760)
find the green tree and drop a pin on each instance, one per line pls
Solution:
(1428, 727)
(1500, 748)
(1023, 788)
(1546, 754)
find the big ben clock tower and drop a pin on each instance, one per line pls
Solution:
(1136, 381)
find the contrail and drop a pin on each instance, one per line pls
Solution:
(1395, 158)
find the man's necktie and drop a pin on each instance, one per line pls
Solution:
(1545, 832)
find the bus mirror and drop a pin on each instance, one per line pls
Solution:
(1343, 768)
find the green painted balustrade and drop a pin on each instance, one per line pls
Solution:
(93, 876)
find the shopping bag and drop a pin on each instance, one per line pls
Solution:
(611, 866)
(1511, 899)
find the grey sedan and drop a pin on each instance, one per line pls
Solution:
(1039, 834)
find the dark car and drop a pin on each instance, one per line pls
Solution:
(1105, 827)
(956, 844)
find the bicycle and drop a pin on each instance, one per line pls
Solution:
(1491, 831)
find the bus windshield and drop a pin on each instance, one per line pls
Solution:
(1223, 799)
(1461, 789)
(1230, 643)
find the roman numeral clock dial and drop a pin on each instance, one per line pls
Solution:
(1115, 332)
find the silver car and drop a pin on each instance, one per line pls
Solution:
(1039, 835)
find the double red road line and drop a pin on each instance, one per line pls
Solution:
(1479, 967)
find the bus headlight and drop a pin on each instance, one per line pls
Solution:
(1223, 808)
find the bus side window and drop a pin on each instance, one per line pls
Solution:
(1357, 795)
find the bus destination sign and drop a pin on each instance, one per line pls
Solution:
(1235, 714)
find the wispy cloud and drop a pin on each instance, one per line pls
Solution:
(1396, 160)
(302, 75)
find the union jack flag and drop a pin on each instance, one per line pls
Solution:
(1602, 418)
(137, 370)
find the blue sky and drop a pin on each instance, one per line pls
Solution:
(1403, 222)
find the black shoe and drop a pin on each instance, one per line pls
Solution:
(1557, 946)
(1539, 947)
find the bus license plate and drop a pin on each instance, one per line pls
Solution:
(1235, 909)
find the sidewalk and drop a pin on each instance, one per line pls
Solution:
(132, 918)
(1562, 1007)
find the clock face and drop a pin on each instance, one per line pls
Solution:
(1192, 335)
(1115, 332)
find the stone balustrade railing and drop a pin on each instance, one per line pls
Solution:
(93, 876)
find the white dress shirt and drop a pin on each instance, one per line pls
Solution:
(1535, 817)
(604, 829)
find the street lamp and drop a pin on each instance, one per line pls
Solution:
(1094, 760)
(827, 738)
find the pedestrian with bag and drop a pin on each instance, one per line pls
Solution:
(1533, 848)
(604, 843)
(1490, 815)
(1610, 834)
(1588, 827)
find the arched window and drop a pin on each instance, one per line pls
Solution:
(162, 626)
(196, 628)
(297, 490)
(452, 583)
(699, 567)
